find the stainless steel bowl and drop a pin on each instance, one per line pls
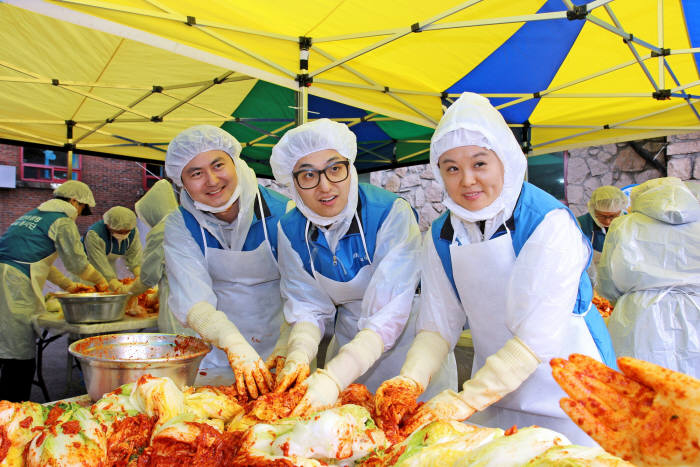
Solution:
(110, 360)
(99, 307)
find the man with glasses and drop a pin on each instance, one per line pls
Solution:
(221, 256)
(348, 255)
(606, 204)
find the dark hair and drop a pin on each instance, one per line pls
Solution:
(86, 210)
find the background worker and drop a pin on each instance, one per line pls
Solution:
(115, 236)
(27, 251)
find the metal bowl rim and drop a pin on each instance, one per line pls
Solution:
(179, 358)
(89, 295)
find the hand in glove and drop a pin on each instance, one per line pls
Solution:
(252, 376)
(152, 299)
(77, 287)
(102, 286)
(91, 274)
(647, 414)
(394, 399)
(302, 347)
(275, 361)
(448, 405)
(117, 286)
(322, 392)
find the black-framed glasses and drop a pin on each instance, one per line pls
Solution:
(335, 172)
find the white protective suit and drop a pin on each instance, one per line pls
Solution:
(526, 298)
(379, 297)
(194, 277)
(153, 208)
(650, 269)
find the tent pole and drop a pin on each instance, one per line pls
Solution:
(69, 157)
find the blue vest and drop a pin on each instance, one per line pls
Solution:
(591, 230)
(373, 206)
(112, 246)
(532, 206)
(27, 239)
(274, 206)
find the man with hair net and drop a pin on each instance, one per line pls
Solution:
(152, 209)
(221, 255)
(650, 269)
(115, 236)
(606, 203)
(27, 251)
(512, 260)
(349, 254)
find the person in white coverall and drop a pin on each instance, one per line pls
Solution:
(650, 270)
(152, 209)
(111, 238)
(27, 251)
(512, 260)
(348, 254)
(221, 255)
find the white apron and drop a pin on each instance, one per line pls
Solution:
(347, 297)
(247, 289)
(481, 273)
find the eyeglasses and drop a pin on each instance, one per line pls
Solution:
(335, 172)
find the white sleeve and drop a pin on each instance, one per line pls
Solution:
(153, 256)
(606, 286)
(304, 299)
(544, 284)
(95, 249)
(386, 304)
(188, 276)
(134, 254)
(440, 309)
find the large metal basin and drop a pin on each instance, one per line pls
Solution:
(110, 360)
(98, 307)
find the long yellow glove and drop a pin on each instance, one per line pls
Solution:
(279, 353)
(57, 277)
(252, 376)
(136, 271)
(502, 373)
(301, 349)
(352, 361)
(91, 274)
(136, 288)
(398, 395)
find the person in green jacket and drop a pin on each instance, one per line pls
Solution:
(27, 251)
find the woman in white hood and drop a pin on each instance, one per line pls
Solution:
(221, 254)
(650, 269)
(512, 260)
(349, 255)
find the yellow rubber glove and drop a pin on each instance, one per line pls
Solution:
(302, 347)
(352, 361)
(252, 376)
(116, 286)
(55, 276)
(91, 274)
(136, 287)
(397, 396)
(275, 361)
(136, 271)
(502, 373)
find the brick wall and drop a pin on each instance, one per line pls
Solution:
(113, 182)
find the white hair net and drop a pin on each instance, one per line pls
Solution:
(156, 203)
(120, 218)
(76, 190)
(309, 138)
(193, 141)
(607, 199)
(473, 121)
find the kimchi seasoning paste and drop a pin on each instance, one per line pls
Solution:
(71, 428)
(5, 443)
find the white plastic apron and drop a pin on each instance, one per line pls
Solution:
(247, 289)
(481, 273)
(38, 273)
(347, 297)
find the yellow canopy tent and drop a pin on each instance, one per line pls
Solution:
(564, 74)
